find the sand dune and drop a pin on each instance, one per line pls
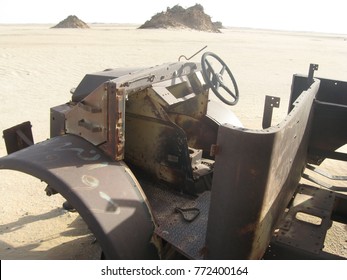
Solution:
(39, 66)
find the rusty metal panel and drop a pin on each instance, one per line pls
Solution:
(18, 137)
(114, 147)
(104, 192)
(329, 130)
(301, 233)
(91, 81)
(99, 118)
(58, 117)
(254, 179)
(88, 118)
(158, 147)
(308, 219)
(166, 95)
(330, 117)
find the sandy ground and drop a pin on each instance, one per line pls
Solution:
(39, 66)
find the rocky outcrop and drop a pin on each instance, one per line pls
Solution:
(71, 22)
(178, 17)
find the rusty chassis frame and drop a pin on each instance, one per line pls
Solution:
(157, 170)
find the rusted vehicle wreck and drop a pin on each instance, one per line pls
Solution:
(157, 169)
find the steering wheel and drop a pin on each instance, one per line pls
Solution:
(216, 81)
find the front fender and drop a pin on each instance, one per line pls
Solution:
(105, 193)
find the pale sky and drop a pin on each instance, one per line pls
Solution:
(297, 15)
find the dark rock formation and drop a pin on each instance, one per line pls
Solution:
(71, 22)
(178, 17)
(218, 24)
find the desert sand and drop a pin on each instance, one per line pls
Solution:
(39, 66)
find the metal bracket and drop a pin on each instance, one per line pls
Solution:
(270, 103)
(18, 137)
(328, 154)
(325, 173)
(90, 126)
(313, 67)
(89, 108)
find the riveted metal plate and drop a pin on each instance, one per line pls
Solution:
(187, 237)
(308, 219)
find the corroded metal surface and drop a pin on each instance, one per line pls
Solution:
(181, 219)
(330, 117)
(308, 219)
(18, 137)
(100, 119)
(181, 140)
(254, 179)
(88, 118)
(165, 120)
(104, 192)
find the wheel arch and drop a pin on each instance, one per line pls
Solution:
(104, 192)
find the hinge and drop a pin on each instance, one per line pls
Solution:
(214, 150)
